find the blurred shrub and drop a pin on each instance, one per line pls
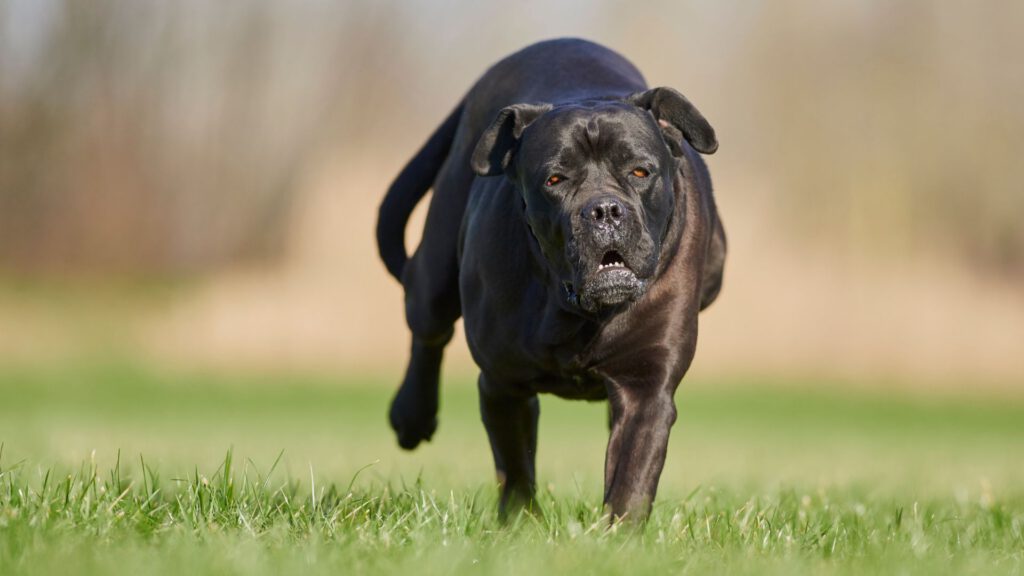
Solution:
(896, 126)
(167, 136)
(153, 136)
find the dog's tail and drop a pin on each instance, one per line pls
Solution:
(408, 189)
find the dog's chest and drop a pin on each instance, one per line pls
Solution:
(577, 385)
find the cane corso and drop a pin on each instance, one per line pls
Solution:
(573, 227)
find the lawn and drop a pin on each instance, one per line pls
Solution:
(110, 467)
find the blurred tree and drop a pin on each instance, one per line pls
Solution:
(168, 136)
(155, 137)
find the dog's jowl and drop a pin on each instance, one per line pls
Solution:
(573, 227)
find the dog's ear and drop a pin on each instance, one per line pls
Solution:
(675, 113)
(494, 150)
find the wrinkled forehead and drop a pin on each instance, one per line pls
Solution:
(603, 131)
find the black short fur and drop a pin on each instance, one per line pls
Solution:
(573, 227)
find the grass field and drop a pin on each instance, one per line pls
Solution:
(113, 468)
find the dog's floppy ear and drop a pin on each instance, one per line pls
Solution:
(494, 150)
(672, 109)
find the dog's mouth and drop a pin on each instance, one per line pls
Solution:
(612, 269)
(612, 260)
(612, 283)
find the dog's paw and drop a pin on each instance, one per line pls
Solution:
(412, 420)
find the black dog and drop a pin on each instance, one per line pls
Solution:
(573, 227)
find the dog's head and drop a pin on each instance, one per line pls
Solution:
(598, 185)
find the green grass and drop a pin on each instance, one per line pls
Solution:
(111, 468)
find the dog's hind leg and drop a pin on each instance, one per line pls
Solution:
(432, 305)
(413, 411)
(431, 309)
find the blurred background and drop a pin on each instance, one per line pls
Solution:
(188, 193)
(194, 184)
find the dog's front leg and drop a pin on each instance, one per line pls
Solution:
(511, 422)
(640, 424)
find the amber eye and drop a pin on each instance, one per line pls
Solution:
(552, 180)
(640, 173)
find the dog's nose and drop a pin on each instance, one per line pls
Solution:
(604, 212)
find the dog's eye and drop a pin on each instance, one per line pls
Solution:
(640, 173)
(554, 179)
